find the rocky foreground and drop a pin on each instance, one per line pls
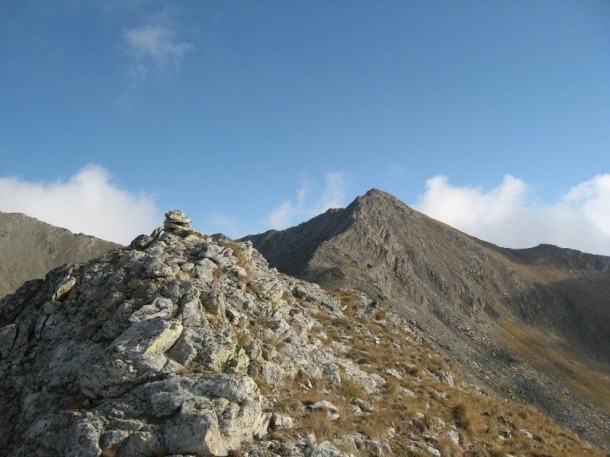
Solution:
(183, 345)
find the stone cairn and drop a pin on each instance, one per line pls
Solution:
(178, 223)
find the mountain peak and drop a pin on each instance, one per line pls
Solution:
(375, 192)
(455, 286)
(381, 203)
(183, 344)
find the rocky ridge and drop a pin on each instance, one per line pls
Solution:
(182, 345)
(138, 352)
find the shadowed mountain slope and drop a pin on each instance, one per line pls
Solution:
(29, 248)
(479, 302)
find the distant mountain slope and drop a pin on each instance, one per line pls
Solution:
(30, 248)
(478, 301)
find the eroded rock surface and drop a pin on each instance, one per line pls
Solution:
(150, 350)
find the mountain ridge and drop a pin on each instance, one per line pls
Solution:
(29, 248)
(181, 344)
(471, 296)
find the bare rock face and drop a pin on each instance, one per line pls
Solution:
(150, 350)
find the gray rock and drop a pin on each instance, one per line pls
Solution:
(433, 451)
(8, 335)
(140, 242)
(363, 405)
(161, 348)
(177, 223)
(178, 217)
(204, 270)
(281, 421)
(140, 444)
(194, 433)
(325, 449)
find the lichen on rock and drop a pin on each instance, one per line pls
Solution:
(149, 350)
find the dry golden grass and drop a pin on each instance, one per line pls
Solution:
(347, 297)
(111, 451)
(448, 448)
(415, 404)
(461, 416)
(218, 272)
(558, 361)
(237, 252)
(160, 450)
(381, 314)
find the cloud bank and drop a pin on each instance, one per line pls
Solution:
(88, 202)
(154, 48)
(509, 215)
(309, 202)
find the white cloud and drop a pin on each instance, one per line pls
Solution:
(592, 199)
(88, 202)
(508, 215)
(154, 48)
(306, 206)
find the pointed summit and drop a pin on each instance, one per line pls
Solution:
(377, 196)
(460, 289)
(374, 192)
(400, 256)
(380, 194)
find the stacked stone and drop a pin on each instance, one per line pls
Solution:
(178, 223)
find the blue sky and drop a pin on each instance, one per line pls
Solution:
(491, 116)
